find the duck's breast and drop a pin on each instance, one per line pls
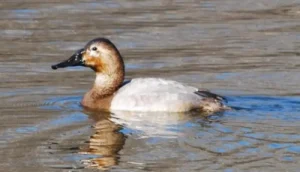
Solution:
(154, 94)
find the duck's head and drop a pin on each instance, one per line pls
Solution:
(99, 54)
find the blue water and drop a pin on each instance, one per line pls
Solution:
(259, 127)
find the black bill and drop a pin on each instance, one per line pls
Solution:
(74, 60)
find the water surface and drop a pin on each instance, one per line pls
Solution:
(247, 51)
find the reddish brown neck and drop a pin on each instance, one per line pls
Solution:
(105, 86)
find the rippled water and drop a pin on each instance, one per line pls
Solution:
(247, 51)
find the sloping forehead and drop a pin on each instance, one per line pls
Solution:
(98, 41)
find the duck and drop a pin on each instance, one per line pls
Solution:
(110, 92)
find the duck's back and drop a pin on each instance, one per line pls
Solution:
(155, 94)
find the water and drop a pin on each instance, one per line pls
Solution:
(247, 51)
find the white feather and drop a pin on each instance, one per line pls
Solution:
(155, 94)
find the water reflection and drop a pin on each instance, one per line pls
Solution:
(151, 124)
(242, 138)
(111, 130)
(106, 141)
(262, 131)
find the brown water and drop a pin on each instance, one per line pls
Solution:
(247, 51)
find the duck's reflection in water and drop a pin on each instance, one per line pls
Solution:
(108, 140)
(105, 142)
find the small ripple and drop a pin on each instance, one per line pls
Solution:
(287, 159)
(283, 108)
(294, 149)
(62, 103)
(279, 145)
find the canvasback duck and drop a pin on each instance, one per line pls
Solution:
(111, 93)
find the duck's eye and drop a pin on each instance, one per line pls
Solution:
(94, 48)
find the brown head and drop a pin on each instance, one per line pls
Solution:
(103, 57)
(99, 54)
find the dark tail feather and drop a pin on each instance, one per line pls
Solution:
(208, 94)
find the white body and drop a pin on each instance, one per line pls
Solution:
(155, 94)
